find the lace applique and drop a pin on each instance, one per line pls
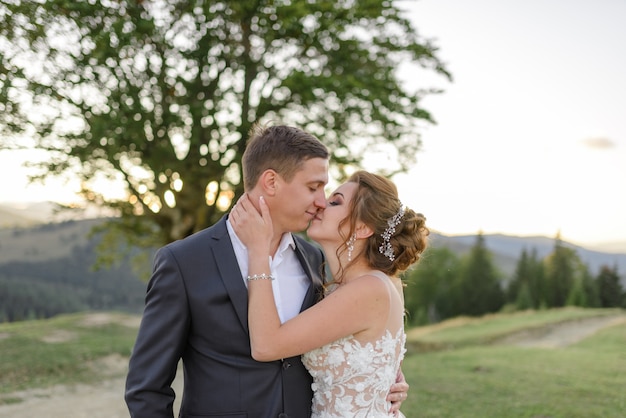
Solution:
(351, 379)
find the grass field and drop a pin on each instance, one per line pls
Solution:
(469, 377)
(62, 349)
(454, 368)
(466, 331)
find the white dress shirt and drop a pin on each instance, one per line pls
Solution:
(291, 282)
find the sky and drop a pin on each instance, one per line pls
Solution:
(531, 133)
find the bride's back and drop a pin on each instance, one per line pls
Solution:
(352, 376)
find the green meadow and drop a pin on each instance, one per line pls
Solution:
(457, 368)
(61, 350)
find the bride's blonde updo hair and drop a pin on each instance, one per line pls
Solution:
(400, 234)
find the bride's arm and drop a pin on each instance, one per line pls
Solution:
(344, 312)
(351, 309)
(255, 231)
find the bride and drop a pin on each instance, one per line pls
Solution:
(354, 338)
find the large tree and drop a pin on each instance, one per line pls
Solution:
(158, 96)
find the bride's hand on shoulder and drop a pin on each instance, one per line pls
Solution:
(254, 229)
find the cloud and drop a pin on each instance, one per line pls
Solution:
(598, 143)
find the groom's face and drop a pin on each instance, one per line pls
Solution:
(298, 201)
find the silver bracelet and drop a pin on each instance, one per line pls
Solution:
(262, 276)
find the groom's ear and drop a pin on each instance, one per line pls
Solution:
(268, 181)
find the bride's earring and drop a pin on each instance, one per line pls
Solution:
(350, 245)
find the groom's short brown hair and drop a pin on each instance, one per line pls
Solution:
(280, 148)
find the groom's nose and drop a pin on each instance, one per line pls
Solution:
(320, 200)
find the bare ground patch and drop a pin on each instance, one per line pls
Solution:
(562, 334)
(102, 400)
(59, 336)
(98, 319)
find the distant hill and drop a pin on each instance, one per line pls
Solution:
(507, 250)
(45, 242)
(505, 262)
(46, 269)
(26, 214)
(616, 247)
(9, 218)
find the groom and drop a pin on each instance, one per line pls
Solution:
(196, 302)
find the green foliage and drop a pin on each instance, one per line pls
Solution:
(44, 288)
(561, 267)
(442, 286)
(478, 284)
(590, 287)
(125, 241)
(62, 349)
(526, 287)
(577, 295)
(611, 293)
(428, 286)
(24, 298)
(524, 299)
(158, 97)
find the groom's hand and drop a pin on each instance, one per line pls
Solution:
(398, 393)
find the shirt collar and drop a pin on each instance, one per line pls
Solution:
(286, 240)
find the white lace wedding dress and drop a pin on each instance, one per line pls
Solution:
(351, 379)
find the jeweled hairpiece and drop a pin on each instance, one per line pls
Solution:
(385, 248)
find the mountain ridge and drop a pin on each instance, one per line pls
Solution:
(26, 214)
(47, 269)
(40, 242)
(509, 248)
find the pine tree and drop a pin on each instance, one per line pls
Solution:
(428, 296)
(561, 268)
(523, 299)
(590, 286)
(479, 283)
(520, 277)
(528, 278)
(577, 295)
(611, 293)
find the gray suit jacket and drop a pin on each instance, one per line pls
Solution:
(197, 309)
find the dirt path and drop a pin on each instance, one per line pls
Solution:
(105, 400)
(563, 334)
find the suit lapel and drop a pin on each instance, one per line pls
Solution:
(312, 294)
(233, 281)
(229, 272)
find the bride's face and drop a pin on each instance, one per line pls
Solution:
(325, 227)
